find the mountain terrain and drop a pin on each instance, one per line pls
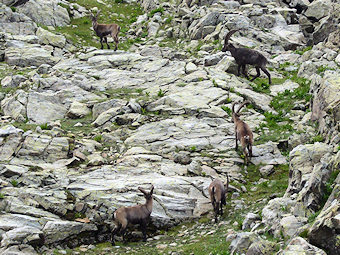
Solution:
(81, 128)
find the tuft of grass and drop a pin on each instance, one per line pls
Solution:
(318, 138)
(160, 93)
(15, 183)
(312, 217)
(98, 138)
(304, 234)
(2, 195)
(301, 52)
(154, 11)
(193, 148)
(226, 109)
(44, 126)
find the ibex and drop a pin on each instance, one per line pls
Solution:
(242, 133)
(245, 56)
(217, 191)
(104, 30)
(138, 214)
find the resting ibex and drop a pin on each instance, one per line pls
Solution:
(138, 214)
(245, 56)
(242, 133)
(104, 30)
(217, 191)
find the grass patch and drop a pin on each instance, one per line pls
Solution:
(68, 125)
(317, 138)
(14, 183)
(98, 138)
(227, 110)
(2, 195)
(312, 217)
(154, 11)
(301, 52)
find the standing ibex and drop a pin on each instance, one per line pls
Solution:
(138, 214)
(104, 30)
(217, 191)
(242, 133)
(245, 56)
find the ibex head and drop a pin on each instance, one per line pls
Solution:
(146, 194)
(94, 18)
(227, 46)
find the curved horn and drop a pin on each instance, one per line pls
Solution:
(227, 37)
(98, 13)
(243, 104)
(233, 107)
(142, 190)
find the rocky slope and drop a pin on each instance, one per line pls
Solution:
(82, 128)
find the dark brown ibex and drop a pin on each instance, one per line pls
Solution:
(104, 30)
(217, 191)
(245, 56)
(138, 214)
(242, 133)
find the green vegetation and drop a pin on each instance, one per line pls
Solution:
(193, 148)
(312, 217)
(124, 14)
(160, 93)
(301, 52)
(226, 109)
(152, 12)
(15, 183)
(329, 187)
(44, 126)
(317, 138)
(98, 138)
(68, 125)
(2, 195)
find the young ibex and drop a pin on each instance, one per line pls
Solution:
(245, 56)
(104, 30)
(242, 133)
(217, 191)
(138, 214)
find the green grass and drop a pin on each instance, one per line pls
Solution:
(15, 183)
(154, 11)
(80, 33)
(44, 126)
(2, 195)
(301, 52)
(317, 138)
(68, 125)
(226, 109)
(98, 138)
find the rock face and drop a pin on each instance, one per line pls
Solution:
(82, 129)
(47, 13)
(15, 23)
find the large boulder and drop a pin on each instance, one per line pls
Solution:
(300, 246)
(326, 107)
(303, 159)
(325, 232)
(46, 37)
(44, 107)
(47, 13)
(30, 55)
(15, 23)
